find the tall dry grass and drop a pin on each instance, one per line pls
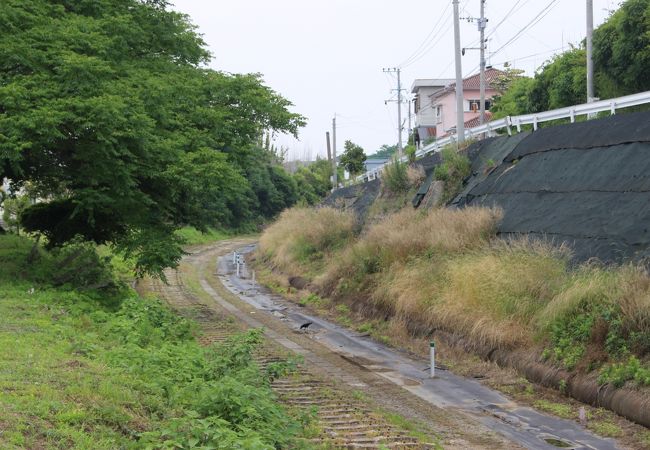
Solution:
(409, 234)
(301, 236)
(444, 269)
(490, 294)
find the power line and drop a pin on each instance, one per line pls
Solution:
(523, 58)
(426, 39)
(519, 33)
(503, 20)
(425, 47)
(530, 24)
(431, 46)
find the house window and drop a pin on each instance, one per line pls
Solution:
(438, 110)
(475, 105)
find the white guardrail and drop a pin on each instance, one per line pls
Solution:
(570, 112)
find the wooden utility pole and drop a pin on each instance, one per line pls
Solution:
(329, 149)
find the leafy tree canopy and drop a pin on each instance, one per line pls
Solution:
(314, 181)
(621, 60)
(353, 158)
(385, 151)
(622, 51)
(107, 110)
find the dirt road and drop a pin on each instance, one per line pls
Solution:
(364, 394)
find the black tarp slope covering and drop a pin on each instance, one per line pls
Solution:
(586, 185)
(358, 198)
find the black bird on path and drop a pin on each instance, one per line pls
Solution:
(305, 325)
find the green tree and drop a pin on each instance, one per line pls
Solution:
(353, 158)
(515, 100)
(314, 181)
(385, 151)
(622, 51)
(13, 208)
(105, 108)
(561, 82)
(621, 61)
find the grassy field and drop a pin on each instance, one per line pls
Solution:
(192, 236)
(90, 367)
(446, 270)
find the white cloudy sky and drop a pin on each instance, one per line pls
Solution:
(326, 56)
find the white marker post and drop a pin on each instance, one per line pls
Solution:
(432, 352)
(234, 257)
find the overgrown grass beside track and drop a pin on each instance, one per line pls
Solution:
(85, 363)
(446, 270)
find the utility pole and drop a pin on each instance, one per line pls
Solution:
(482, 23)
(400, 150)
(460, 115)
(408, 138)
(329, 148)
(334, 177)
(590, 61)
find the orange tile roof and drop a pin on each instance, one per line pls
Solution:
(474, 82)
(476, 121)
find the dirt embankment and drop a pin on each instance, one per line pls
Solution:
(585, 186)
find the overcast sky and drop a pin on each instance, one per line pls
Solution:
(327, 56)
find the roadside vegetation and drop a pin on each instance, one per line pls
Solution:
(620, 52)
(85, 363)
(444, 270)
(113, 135)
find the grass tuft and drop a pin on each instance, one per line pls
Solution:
(304, 236)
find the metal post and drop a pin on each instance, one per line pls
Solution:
(482, 22)
(432, 353)
(590, 61)
(460, 114)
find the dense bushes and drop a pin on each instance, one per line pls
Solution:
(84, 369)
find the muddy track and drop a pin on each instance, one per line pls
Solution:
(343, 422)
(345, 418)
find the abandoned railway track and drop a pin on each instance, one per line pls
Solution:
(343, 416)
(361, 394)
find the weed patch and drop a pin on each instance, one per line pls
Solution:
(454, 169)
(78, 370)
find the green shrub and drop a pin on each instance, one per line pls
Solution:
(409, 151)
(632, 369)
(454, 168)
(192, 236)
(394, 177)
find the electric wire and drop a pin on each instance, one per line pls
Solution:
(426, 39)
(530, 24)
(433, 41)
(547, 9)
